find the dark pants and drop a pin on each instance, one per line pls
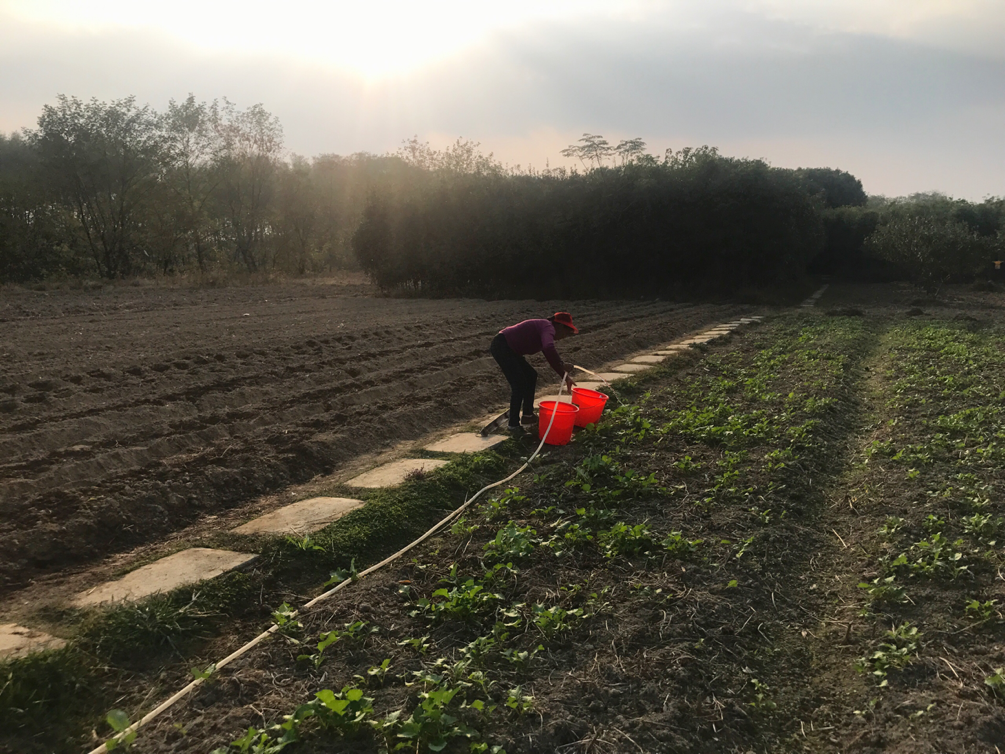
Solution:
(521, 376)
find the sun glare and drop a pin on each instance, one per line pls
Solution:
(372, 39)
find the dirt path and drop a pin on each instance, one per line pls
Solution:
(127, 414)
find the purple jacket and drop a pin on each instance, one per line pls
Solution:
(533, 336)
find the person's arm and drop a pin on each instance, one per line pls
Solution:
(551, 354)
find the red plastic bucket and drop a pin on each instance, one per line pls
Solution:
(591, 405)
(561, 428)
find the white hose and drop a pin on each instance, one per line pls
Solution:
(167, 703)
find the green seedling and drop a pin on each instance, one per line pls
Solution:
(884, 590)
(894, 654)
(119, 722)
(983, 526)
(286, 618)
(676, 544)
(352, 632)
(687, 465)
(204, 674)
(255, 742)
(379, 672)
(519, 702)
(345, 711)
(341, 574)
(931, 558)
(996, 682)
(933, 524)
(521, 658)
(499, 507)
(304, 543)
(622, 539)
(480, 747)
(431, 726)
(744, 546)
(420, 644)
(463, 602)
(761, 701)
(554, 620)
(982, 611)
(511, 543)
(461, 528)
(891, 526)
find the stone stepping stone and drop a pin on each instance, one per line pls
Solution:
(395, 472)
(185, 567)
(18, 641)
(676, 351)
(648, 359)
(466, 442)
(609, 376)
(632, 367)
(302, 517)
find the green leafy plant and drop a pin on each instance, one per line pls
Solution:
(345, 711)
(680, 546)
(204, 674)
(996, 682)
(464, 602)
(286, 618)
(554, 620)
(895, 653)
(432, 724)
(419, 644)
(622, 539)
(119, 722)
(519, 702)
(884, 590)
(982, 611)
(305, 543)
(761, 701)
(511, 543)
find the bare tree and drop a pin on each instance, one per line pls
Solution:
(630, 150)
(592, 149)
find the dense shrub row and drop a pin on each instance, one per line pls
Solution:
(644, 227)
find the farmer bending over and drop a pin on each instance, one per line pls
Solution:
(530, 336)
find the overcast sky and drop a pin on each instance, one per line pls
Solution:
(909, 95)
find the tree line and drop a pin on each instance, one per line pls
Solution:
(115, 189)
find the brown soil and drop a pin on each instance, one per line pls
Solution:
(127, 414)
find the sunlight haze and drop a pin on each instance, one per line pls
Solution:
(909, 95)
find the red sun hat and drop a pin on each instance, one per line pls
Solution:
(564, 318)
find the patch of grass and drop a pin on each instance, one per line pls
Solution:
(47, 698)
(134, 635)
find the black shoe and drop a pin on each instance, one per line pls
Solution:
(515, 430)
(529, 420)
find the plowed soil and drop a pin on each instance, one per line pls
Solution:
(127, 413)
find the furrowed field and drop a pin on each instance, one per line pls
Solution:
(788, 542)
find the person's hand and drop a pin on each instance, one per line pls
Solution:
(569, 384)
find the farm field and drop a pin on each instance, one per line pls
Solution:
(787, 542)
(127, 414)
